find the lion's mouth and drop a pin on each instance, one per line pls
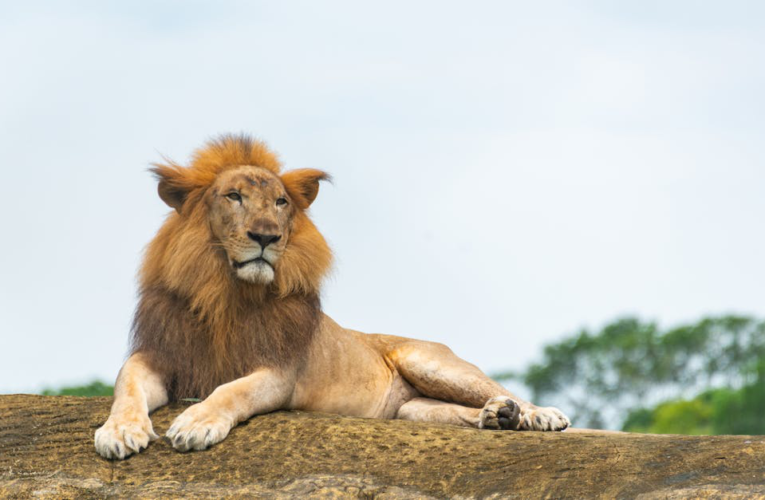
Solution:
(256, 260)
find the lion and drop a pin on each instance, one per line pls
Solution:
(229, 312)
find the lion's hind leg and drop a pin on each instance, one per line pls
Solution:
(437, 373)
(500, 413)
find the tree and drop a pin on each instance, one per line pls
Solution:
(622, 373)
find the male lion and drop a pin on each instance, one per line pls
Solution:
(229, 312)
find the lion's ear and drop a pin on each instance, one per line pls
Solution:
(173, 187)
(303, 184)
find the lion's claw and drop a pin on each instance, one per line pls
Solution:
(500, 413)
(543, 419)
(198, 429)
(122, 436)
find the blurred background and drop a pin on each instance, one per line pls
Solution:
(569, 194)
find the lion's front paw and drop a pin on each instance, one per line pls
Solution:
(198, 428)
(499, 413)
(122, 435)
(543, 419)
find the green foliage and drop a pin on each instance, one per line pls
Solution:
(717, 411)
(624, 371)
(741, 411)
(673, 417)
(683, 417)
(95, 388)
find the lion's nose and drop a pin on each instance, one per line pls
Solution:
(264, 239)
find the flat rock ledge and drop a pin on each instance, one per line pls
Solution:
(46, 451)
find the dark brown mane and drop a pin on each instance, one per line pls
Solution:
(198, 324)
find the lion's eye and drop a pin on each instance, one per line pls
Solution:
(281, 202)
(234, 197)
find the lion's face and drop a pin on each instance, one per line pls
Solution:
(237, 215)
(250, 214)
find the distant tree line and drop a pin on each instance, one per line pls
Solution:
(95, 388)
(703, 378)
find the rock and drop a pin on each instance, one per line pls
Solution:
(46, 451)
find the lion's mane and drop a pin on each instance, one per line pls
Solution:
(198, 324)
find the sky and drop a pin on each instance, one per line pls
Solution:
(506, 172)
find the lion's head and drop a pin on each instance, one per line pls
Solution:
(251, 213)
(238, 217)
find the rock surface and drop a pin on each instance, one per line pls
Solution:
(46, 451)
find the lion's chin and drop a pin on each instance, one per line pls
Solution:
(259, 272)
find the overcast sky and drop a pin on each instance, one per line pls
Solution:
(505, 172)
